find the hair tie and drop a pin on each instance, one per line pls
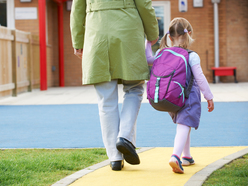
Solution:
(185, 30)
(168, 32)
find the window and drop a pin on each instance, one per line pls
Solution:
(162, 11)
(3, 13)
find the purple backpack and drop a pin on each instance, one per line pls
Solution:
(166, 89)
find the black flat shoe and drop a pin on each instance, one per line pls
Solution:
(128, 151)
(117, 165)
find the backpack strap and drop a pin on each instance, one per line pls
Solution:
(191, 81)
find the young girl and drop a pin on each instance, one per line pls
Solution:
(180, 32)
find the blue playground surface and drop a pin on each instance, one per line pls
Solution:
(77, 126)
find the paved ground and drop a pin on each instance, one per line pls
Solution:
(223, 92)
(77, 126)
(70, 114)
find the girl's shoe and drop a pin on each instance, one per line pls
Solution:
(176, 164)
(186, 161)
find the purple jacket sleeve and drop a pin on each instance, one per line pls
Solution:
(202, 82)
(149, 57)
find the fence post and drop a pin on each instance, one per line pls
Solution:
(14, 64)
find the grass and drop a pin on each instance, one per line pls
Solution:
(44, 166)
(233, 174)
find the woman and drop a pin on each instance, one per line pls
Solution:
(109, 37)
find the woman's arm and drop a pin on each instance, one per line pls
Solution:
(148, 17)
(77, 23)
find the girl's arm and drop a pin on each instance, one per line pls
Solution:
(149, 57)
(194, 61)
(203, 84)
(202, 81)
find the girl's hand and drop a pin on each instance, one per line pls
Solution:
(210, 105)
(78, 53)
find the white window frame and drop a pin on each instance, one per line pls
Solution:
(11, 14)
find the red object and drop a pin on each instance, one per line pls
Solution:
(224, 71)
(61, 45)
(42, 36)
(61, 42)
(60, 1)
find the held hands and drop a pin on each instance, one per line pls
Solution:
(78, 53)
(210, 105)
(154, 41)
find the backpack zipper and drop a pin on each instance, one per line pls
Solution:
(156, 90)
(182, 88)
(158, 83)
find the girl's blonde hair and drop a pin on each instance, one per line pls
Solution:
(177, 29)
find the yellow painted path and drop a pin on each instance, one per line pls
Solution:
(154, 168)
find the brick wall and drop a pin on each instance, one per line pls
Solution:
(73, 65)
(237, 37)
(201, 20)
(232, 15)
(28, 25)
(52, 36)
(233, 35)
(52, 45)
(233, 38)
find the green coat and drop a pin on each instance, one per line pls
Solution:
(111, 33)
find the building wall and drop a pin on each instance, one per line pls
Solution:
(202, 31)
(237, 37)
(28, 25)
(52, 36)
(202, 21)
(52, 44)
(73, 65)
(233, 35)
(233, 38)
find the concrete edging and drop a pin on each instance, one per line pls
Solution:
(198, 178)
(75, 176)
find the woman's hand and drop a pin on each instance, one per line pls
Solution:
(78, 53)
(154, 41)
(210, 105)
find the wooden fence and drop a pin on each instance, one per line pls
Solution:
(19, 62)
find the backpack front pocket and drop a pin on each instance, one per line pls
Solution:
(161, 86)
(176, 93)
